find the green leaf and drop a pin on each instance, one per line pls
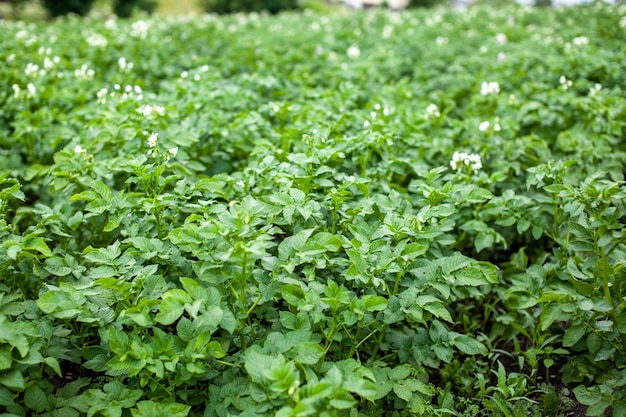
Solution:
(400, 372)
(159, 409)
(443, 352)
(468, 345)
(416, 385)
(438, 310)
(57, 266)
(35, 399)
(257, 364)
(470, 276)
(404, 393)
(620, 324)
(214, 349)
(60, 303)
(38, 244)
(6, 359)
(290, 245)
(363, 387)
(573, 335)
(13, 380)
(454, 263)
(54, 364)
(375, 303)
(170, 310)
(308, 353)
(293, 294)
(587, 397)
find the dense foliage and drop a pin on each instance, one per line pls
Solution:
(230, 6)
(63, 7)
(375, 214)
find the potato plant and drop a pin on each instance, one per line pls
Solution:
(371, 214)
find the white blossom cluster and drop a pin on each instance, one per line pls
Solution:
(353, 51)
(148, 110)
(565, 83)
(461, 160)
(489, 88)
(30, 91)
(139, 29)
(96, 40)
(125, 66)
(128, 92)
(84, 72)
(432, 111)
(595, 89)
(484, 126)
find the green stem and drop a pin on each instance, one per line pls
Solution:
(396, 285)
(606, 284)
(379, 341)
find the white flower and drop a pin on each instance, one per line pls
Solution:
(595, 89)
(102, 95)
(48, 63)
(31, 89)
(461, 160)
(173, 151)
(489, 87)
(84, 72)
(16, 90)
(366, 125)
(96, 40)
(31, 69)
(152, 140)
(148, 110)
(483, 126)
(125, 66)
(432, 110)
(580, 41)
(501, 38)
(353, 51)
(79, 149)
(139, 29)
(565, 83)
(496, 127)
(184, 74)
(441, 41)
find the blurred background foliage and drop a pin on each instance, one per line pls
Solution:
(38, 9)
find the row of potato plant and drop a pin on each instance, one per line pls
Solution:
(372, 214)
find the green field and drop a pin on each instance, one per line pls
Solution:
(366, 214)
